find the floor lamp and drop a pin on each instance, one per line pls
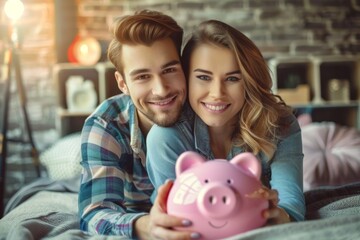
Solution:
(13, 9)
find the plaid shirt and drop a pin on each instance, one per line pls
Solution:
(115, 189)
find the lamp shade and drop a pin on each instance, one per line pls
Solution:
(84, 50)
(14, 9)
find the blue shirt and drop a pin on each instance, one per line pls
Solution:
(115, 189)
(284, 172)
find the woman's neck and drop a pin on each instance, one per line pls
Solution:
(221, 140)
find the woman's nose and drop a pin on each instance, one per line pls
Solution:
(216, 88)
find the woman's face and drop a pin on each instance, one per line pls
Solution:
(216, 86)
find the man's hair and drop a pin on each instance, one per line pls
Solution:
(263, 112)
(144, 28)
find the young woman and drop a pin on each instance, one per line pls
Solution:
(233, 110)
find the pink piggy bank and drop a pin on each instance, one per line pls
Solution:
(212, 194)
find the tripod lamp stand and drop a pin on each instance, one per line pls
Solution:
(14, 10)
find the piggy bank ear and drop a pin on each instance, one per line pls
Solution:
(188, 160)
(247, 161)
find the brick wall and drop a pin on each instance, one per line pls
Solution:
(278, 27)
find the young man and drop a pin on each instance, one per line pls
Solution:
(114, 197)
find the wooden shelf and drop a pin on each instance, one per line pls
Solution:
(105, 85)
(317, 73)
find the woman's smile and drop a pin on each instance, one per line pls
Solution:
(216, 108)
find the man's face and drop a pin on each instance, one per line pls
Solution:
(155, 81)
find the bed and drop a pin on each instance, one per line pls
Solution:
(47, 208)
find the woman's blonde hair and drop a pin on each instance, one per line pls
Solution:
(263, 113)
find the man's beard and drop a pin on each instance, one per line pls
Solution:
(164, 119)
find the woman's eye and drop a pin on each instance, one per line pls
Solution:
(232, 79)
(203, 77)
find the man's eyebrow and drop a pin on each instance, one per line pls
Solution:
(172, 63)
(138, 71)
(145, 70)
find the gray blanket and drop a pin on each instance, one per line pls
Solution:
(331, 214)
(48, 210)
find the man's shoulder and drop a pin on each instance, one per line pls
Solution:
(113, 117)
(114, 106)
(112, 111)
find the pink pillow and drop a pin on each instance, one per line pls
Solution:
(331, 154)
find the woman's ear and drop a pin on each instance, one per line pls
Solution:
(121, 83)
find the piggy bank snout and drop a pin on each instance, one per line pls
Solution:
(217, 200)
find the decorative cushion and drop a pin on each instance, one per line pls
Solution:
(62, 160)
(331, 154)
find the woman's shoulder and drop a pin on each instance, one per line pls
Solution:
(187, 113)
(288, 125)
(289, 119)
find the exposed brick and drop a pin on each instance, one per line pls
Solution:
(259, 38)
(317, 24)
(351, 24)
(325, 14)
(297, 26)
(357, 36)
(271, 50)
(235, 4)
(235, 17)
(334, 14)
(265, 4)
(294, 3)
(162, 7)
(351, 13)
(314, 49)
(271, 14)
(330, 3)
(99, 10)
(207, 14)
(289, 36)
(191, 5)
(352, 48)
(356, 5)
(250, 27)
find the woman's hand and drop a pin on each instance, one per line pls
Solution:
(160, 225)
(274, 214)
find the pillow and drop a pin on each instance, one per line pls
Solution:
(62, 160)
(331, 154)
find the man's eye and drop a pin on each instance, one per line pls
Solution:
(203, 77)
(169, 70)
(142, 77)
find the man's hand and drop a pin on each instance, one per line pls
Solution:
(158, 224)
(274, 214)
